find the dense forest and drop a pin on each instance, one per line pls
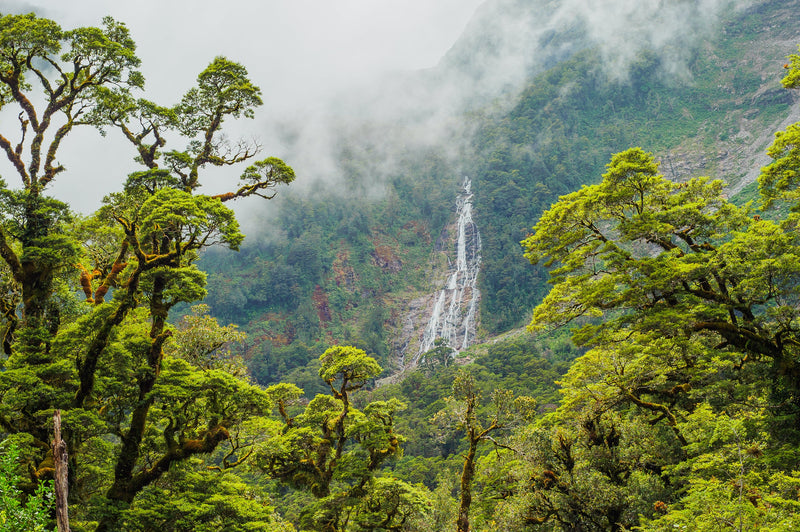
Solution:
(201, 383)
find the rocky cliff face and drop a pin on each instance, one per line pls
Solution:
(737, 152)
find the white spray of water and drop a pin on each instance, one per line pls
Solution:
(453, 315)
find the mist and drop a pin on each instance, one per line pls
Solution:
(300, 53)
(504, 45)
(406, 70)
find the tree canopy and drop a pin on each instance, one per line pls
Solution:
(136, 401)
(687, 305)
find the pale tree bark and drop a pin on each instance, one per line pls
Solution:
(61, 488)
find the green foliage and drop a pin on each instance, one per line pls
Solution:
(200, 340)
(19, 512)
(778, 180)
(685, 302)
(348, 367)
(518, 364)
(731, 481)
(792, 79)
(335, 451)
(191, 497)
(265, 175)
(440, 355)
(392, 505)
(192, 221)
(462, 412)
(595, 473)
(138, 397)
(224, 89)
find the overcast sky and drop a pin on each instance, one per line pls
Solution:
(299, 52)
(293, 48)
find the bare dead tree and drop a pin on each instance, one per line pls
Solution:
(61, 488)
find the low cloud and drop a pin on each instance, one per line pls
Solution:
(300, 53)
(331, 71)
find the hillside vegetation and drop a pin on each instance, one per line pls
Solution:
(656, 387)
(342, 265)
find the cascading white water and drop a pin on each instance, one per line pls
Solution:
(454, 314)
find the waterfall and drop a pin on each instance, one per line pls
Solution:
(454, 314)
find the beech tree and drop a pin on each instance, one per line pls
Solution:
(670, 281)
(440, 355)
(688, 307)
(463, 412)
(684, 302)
(130, 411)
(335, 451)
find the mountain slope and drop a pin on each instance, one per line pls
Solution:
(345, 265)
(570, 119)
